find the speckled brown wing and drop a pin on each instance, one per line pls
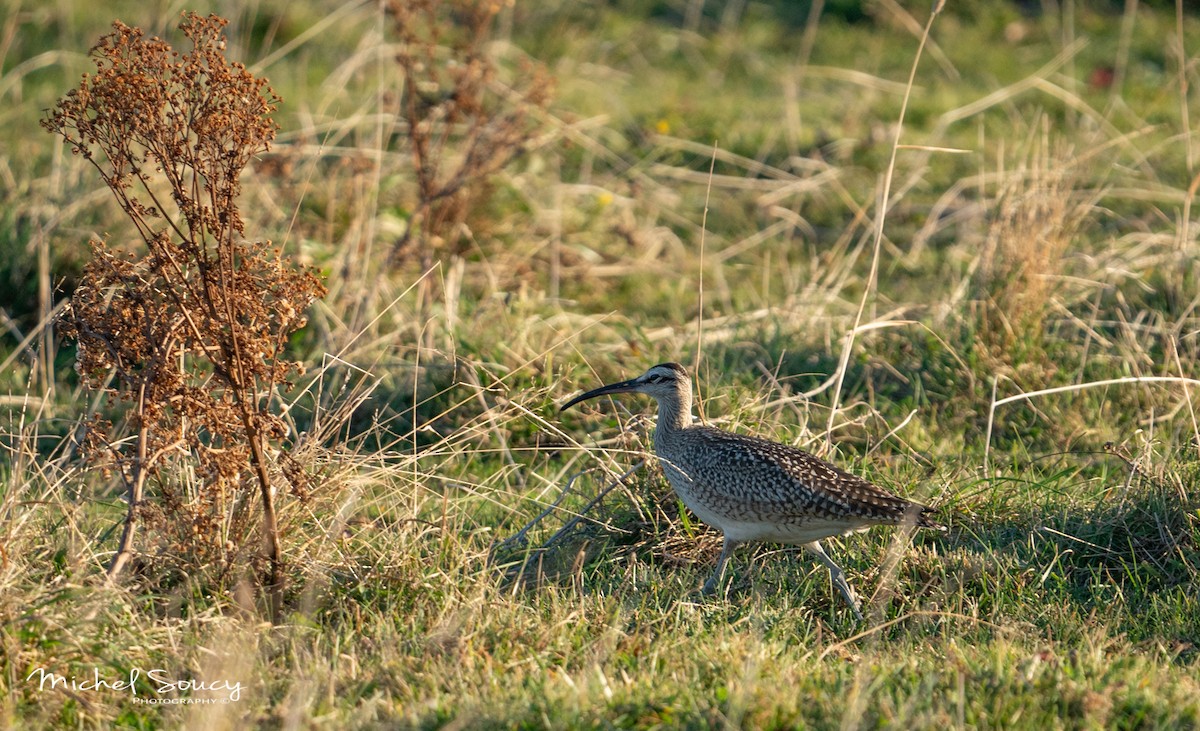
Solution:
(756, 479)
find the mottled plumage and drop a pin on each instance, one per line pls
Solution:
(757, 490)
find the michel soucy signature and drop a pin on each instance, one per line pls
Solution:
(161, 682)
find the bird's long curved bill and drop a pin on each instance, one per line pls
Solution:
(622, 387)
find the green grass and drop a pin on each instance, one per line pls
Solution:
(1066, 592)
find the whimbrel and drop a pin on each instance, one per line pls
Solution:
(753, 489)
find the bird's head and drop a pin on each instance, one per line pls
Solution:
(665, 382)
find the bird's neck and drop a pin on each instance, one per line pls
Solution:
(674, 415)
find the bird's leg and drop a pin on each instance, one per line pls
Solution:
(726, 550)
(839, 578)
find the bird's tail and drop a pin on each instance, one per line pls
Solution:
(922, 516)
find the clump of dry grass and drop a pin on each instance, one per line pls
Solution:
(1038, 211)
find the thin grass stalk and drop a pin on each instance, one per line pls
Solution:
(881, 215)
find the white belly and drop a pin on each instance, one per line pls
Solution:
(796, 534)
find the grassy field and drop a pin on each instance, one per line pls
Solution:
(977, 288)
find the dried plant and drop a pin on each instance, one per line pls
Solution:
(188, 333)
(460, 123)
